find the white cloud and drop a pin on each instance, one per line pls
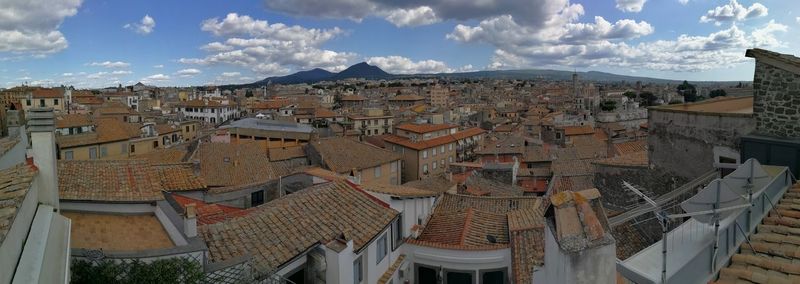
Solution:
(144, 26)
(230, 74)
(156, 78)
(765, 36)
(630, 5)
(401, 65)
(683, 2)
(419, 16)
(733, 11)
(268, 49)
(121, 72)
(67, 74)
(216, 47)
(187, 72)
(97, 75)
(158, 66)
(534, 13)
(110, 64)
(797, 19)
(31, 26)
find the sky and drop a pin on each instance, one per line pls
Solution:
(97, 43)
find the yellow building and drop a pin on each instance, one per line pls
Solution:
(53, 98)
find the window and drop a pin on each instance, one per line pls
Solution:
(397, 232)
(425, 168)
(425, 154)
(381, 249)
(378, 171)
(155, 144)
(124, 149)
(187, 128)
(450, 146)
(358, 271)
(93, 153)
(133, 148)
(450, 159)
(434, 165)
(103, 151)
(68, 155)
(441, 149)
(55, 102)
(441, 162)
(394, 166)
(257, 198)
(28, 102)
(434, 151)
(41, 103)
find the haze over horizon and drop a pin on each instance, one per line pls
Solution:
(104, 43)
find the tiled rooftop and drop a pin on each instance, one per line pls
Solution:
(73, 120)
(275, 232)
(580, 221)
(179, 177)
(117, 232)
(437, 183)
(719, 105)
(162, 156)
(398, 190)
(223, 164)
(107, 130)
(776, 243)
(14, 185)
(111, 180)
(343, 155)
(424, 127)
(210, 213)
(442, 140)
(286, 153)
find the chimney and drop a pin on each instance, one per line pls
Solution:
(41, 126)
(13, 122)
(190, 221)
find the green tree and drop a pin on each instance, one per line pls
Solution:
(248, 93)
(717, 93)
(648, 99)
(688, 91)
(608, 105)
(630, 94)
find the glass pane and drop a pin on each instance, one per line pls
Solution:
(494, 277)
(458, 278)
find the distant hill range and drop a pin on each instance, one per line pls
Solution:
(366, 71)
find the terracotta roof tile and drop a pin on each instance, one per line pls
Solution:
(223, 164)
(210, 213)
(578, 130)
(73, 120)
(424, 127)
(111, 180)
(42, 93)
(406, 98)
(179, 177)
(343, 155)
(438, 141)
(117, 232)
(286, 153)
(438, 184)
(398, 190)
(14, 185)
(296, 223)
(162, 156)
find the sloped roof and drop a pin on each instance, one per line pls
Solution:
(775, 243)
(14, 185)
(276, 232)
(223, 164)
(398, 190)
(424, 127)
(73, 120)
(109, 180)
(580, 221)
(406, 97)
(210, 213)
(162, 156)
(179, 177)
(342, 155)
(437, 183)
(286, 153)
(438, 141)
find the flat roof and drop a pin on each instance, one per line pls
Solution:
(117, 232)
(270, 125)
(723, 105)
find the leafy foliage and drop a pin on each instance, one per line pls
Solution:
(172, 270)
(717, 93)
(630, 94)
(608, 105)
(648, 99)
(688, 91)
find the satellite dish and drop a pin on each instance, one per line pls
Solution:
(749, 178)
(717, 195)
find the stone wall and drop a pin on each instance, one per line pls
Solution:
(683, 143)
(608, 179)
(776, 105)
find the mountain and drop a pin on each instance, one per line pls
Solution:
(362, 70)
(313, 75)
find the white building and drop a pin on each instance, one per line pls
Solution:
(209, 111)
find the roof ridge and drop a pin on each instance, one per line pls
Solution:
(467, 223)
